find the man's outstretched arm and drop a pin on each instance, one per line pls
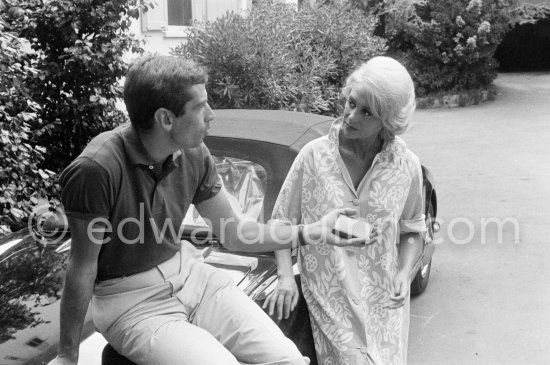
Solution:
(240, 234)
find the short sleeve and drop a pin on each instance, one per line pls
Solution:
(86, 190)
(412, 218)
(288, 207)
(210, 183)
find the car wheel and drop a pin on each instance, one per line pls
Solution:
(420, 281)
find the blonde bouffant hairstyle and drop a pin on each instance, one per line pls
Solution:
(388, 90)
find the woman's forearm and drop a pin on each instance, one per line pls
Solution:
(410, 249)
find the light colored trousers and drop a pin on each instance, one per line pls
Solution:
(186, 312)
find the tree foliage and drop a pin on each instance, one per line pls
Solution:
(22, 180)
(79, 48)
(59, 91)
(448, 45)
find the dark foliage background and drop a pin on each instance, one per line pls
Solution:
(61, 76)
(448, 45)
(22, 179)
(79, 48)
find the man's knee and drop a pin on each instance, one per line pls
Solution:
(300, 360)
(283, 353)
(296, 360)
(291, 356)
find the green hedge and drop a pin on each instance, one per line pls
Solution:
(22, 181)
(448, 45)
(57, 92)
(281, 57)
(79, 57)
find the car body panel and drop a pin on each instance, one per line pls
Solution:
(277, 126)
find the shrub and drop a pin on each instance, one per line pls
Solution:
(58, 95)
(279, 57)
(448, 45)
(22, 181)
(79, 48)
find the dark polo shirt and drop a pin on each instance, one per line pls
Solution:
(115, 180)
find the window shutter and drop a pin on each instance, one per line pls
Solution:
(155, 18)
(217, 8)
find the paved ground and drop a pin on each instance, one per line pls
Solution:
(488, 302)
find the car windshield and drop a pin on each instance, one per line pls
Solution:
(244, 183)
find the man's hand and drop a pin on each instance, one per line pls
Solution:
(62, 361)
(284, 298)
(401, 286)
(321, 231)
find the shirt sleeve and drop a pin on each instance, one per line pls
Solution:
(412, 218)
(211, 183)
(288, 207)
(86, 191)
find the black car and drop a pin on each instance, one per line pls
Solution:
(254, 150)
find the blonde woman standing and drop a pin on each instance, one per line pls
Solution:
(358, 298)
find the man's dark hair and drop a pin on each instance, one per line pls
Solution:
(154, 82)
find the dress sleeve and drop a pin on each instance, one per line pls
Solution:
(210, 184)
(287, 208)
(412, 217)
(86, 190)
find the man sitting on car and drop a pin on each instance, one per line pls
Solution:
(126, 196)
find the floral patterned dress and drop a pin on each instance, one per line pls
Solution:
(347, 289)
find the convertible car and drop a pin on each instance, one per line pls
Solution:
(254, 150)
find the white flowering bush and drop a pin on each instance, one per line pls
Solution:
(448, 45)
